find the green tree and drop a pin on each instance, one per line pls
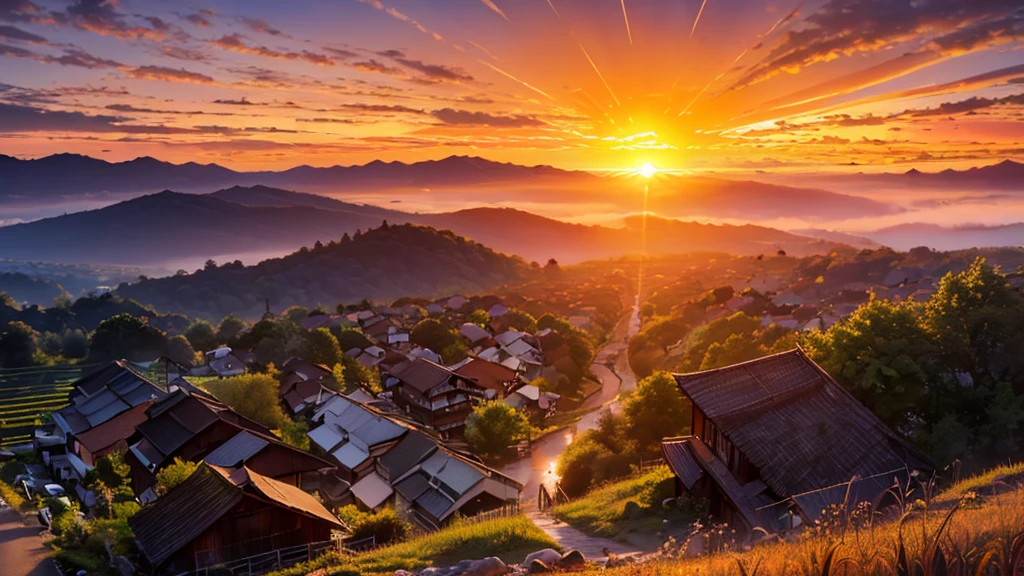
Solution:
(655, 410)
(294, 433)
(349, 338)
(519, 320)
(174, 474)
(180, 350)
(494, 426)
(296, 313)
(975, 317)
(879, 353)
(74, 344)
(735, 349)
(454, 353)
(323, 347)
(479, 317)
(18, 345)
(353, 375)
(126, 337)
(201, 335)
(230, 327)
(254, 396)
(579, 465)
(431, 333)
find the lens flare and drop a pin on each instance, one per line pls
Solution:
(647, 170)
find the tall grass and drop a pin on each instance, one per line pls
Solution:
(511, 539)
(961, 532)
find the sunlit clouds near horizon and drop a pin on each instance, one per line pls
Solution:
(691, 85)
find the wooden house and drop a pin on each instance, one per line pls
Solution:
(433, 394)
(219, 515)
(776, 441)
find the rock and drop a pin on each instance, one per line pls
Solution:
(572, 560)
(404, 573)
(433, 571)
(547, 556)
(492, 566)
(538, 567)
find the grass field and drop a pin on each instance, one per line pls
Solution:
(28, 394)
(602, 510)
(510, 539)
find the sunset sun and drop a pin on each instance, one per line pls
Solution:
(647, 170)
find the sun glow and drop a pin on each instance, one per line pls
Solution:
(647, 170)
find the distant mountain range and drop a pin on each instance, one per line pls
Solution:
(49, 185)
(383, 264)
(168, 227)
(907, 236)
(1004, 175)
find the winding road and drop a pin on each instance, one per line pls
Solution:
(611, 365)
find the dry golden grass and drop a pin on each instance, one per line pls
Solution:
(960, 532)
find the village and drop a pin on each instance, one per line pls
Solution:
(250, 502)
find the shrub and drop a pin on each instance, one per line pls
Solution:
(174, 474)
(254, 396)
(383, 525)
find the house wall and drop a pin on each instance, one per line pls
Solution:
(740, 466)
(253, 527)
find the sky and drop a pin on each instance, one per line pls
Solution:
(694, 85)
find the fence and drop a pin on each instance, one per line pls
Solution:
(268, 561)
(549, 499)
(506, 511)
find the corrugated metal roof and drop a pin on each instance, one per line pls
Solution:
(800, 428)
(372, 490)
(436, 503)
(327, 436)
(350, 455)
(411, 487)
(409, 451)
(508, 337)
(680, 460)
(236, 450)
(288, 496)
(165, 435)
(452, 471)
(114, 430)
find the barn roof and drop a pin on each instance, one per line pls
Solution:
(184, 513)
(801, 429)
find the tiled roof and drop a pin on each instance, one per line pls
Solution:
(115, 430)
(236, 450)
(421, 374)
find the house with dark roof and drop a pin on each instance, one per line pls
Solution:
(776, 441)
(220, 514)
(104, 409)
(192, 425)
(432, 394)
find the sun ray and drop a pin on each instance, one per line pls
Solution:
(482, 49)
(511, 77)
(553, 9)
(697, 19)
(599, 75)
(625, 17)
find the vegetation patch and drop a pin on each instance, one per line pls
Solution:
(510, 539)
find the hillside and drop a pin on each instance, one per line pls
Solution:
(382, 264)
(172, 230)
(907, 236)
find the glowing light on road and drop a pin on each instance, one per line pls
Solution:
(647, 170)
(568, 438)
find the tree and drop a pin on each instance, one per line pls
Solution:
(494, 426)
(655, 410)
(174, 474)
(349, 338)
(201, 335)
(18, 345)
(296, 313)
(975, 317)
(180, 350)
(230, 328)
(294, 433)
(254, 396)
(454, 353)
(479, 317)
(126, 337)
(880, 354)
(323, 347)
(431, 333)
(736, 348)
(519, 320)
(74, 344)
(353, 375)
(579, 465)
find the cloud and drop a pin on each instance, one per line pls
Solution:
(261, 26)
(377, 68)
(341, 52)
(12, 33)
(490, 4)
(240, 102)
(436, 72)
(843, 28)
(454, 117)
(383, 108)
(14, 51)
(22, 11)
(198, 19)
(236, 43)
(101, 17)
(169, 75)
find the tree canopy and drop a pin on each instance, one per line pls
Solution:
(494, 426)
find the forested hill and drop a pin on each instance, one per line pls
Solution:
(381, 264)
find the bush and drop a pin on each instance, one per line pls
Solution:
(578, 466)
(254, 396)
(174, 474)
(383, 525)
(494, 426)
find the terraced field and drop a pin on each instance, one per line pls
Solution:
(28, 394)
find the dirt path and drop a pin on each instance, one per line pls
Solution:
(21, 549)
(570, 538)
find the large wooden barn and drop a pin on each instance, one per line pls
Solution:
(776, 441)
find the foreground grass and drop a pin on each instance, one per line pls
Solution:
(14, 499)
(510, 539)
(967, 530)
(601, 511)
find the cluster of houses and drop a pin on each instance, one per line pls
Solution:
(250, 485)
